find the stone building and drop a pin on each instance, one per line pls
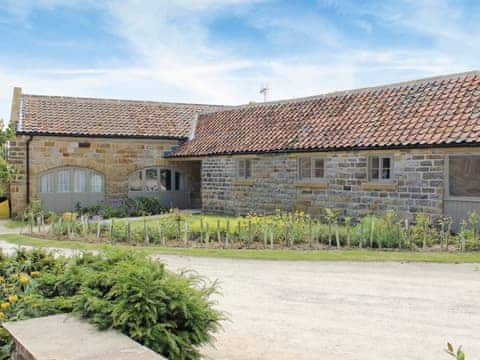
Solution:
(409, 147)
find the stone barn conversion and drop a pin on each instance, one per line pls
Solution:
(411, 147)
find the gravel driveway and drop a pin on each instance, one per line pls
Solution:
(340, 310)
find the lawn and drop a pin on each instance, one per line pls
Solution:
(267, 254)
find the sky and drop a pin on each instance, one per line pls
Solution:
(223, 51)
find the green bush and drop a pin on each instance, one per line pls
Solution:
(171, 314)
(127, 208)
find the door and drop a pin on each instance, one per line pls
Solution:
(462, 187)
(170, 186)
(61, 189)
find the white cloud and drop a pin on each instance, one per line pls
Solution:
(177, 61)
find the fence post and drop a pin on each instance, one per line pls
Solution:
(110, 231)
(201, 230)
(207, 235)
(227, 233)
(129, 233)
(407, 234)
(310, 232)
(185, 237)
(249, 232)
(337, 235)
(462, 236)
(362, 234)
(219, 236)
(98, 230)
(372, 230)
(271, 238)
(329, 233)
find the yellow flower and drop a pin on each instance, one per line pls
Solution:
(23, 278)
(2, 279)
(35, 273)
(5, 305)
(14, 276)
(13, 298)
(2, 315)
(27, 298)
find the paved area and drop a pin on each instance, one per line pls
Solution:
(339, 310)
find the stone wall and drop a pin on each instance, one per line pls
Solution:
(417, 185)
(116, 159)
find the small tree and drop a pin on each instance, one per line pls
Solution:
(6, 170)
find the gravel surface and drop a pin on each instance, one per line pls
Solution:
(338, 310)
(341, 310)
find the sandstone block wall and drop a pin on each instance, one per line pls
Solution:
(417, 185)
(116, 159)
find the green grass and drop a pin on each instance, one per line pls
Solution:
(13, 224)
(292, 255)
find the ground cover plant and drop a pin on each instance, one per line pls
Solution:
(171, 314)
(277, 231)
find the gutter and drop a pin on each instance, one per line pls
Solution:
(27, 165)
(102, 136)
(327, 150)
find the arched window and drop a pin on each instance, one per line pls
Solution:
(71, 180)
(156, 179)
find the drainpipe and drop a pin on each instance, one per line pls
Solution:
(27, 169)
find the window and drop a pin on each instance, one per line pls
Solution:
(178, 184)
(96, 183)
(311, 168)
(63, 181)
(464, 176)
(380, 168)
(151, 179)
(165, 179)
(46, 183)
(79, 181)
(244, 169)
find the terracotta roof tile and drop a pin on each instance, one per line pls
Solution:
(429, 112)
(85, 116)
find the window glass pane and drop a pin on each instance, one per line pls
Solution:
(464, 175)
(136, 181)
(248, 168)
(165, 180)
(305, 168)
(96, 183)
(177, 181)
(385, 168)
(46, 183)
(151, 180)
(374, 168)
(63, 181)
(318, 170)
(79, 181)
(241, 168)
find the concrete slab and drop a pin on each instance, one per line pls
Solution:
(68, 337)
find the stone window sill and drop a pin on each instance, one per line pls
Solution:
(243, 182)
(379, 186)
(311, 184)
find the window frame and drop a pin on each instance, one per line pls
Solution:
(380, 169)
(447, 195)
(313, 160)
(242, 164)
(70, 180)
(170, 181)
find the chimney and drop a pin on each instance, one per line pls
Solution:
(15, 116)
(194, 127)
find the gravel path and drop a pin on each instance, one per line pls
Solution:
(340, 310)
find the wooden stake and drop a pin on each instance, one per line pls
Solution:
(337, 235)
(98, 230)
(201, 230)
(360, 242)
(207, 235)
(185, 234)
(372, 230)
(271, 238)
(219, 237)
(110, 231)
(227, 233)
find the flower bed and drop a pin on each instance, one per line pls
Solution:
(170, 314)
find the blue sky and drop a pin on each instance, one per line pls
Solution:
(221, 51)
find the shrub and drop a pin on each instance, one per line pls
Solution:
(125, 208)
(171, 314)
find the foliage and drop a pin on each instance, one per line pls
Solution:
(126, 208)
(459, 354)
(6, 170)
(169, 313)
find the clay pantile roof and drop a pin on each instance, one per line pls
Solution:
(428, 112)
(55, 115)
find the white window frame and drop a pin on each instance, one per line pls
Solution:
(64, 182)
(83, 175)
(313, 161)
(159, 169)
(96, 183)
(242, 166)
(380, 168)
(47, 179)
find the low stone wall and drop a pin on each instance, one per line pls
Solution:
(417, 185)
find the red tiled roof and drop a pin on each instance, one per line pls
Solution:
(433, 111)
(98, 117)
